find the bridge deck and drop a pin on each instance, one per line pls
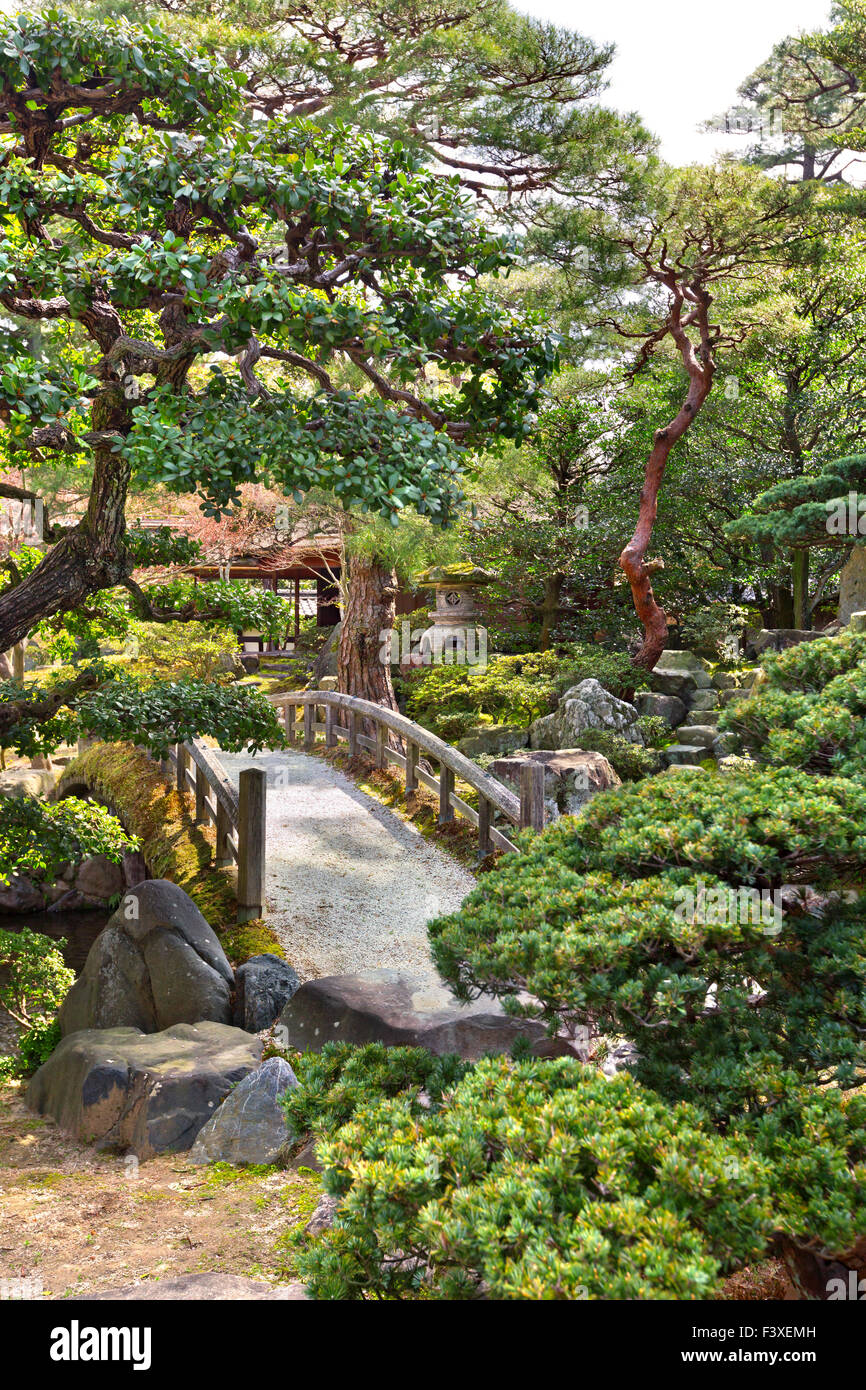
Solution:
(350, 886)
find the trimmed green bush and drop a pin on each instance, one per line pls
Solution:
(809, 708)
(536, 1180)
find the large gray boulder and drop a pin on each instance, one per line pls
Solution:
(249, 1126)
(142, 1093)
(572, 777)
(680, 673)
(585, 706)
(385, 1006)
(778, 639)
(263, 986)
(156, 963)
(18, 893)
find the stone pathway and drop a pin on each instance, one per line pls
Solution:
(350, 886)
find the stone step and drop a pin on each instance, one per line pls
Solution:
(700, 735)
(680, 753)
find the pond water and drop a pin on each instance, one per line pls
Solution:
(80, 930)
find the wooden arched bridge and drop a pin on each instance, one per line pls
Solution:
(240, 794)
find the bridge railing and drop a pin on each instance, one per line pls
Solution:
(494, 799)
(237, 814)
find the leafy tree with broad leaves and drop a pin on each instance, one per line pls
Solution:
(226, 273)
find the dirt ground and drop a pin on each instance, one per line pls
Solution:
(83, 1222)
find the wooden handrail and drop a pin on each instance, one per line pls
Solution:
(525, 811)
(239, 816)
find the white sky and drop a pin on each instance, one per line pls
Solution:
(679, 62)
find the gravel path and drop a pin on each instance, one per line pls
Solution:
(350, 886)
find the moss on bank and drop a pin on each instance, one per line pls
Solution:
(174, 847)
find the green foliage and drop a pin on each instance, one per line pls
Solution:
(343, 1079)
(153, 715)
(809, 708)
(189, 649)
(38, 838)
(629, 760)
(161, 546)
(516, 689)
(627, 919)
(168, 712)
(35, 1045)
(535, 1180)
(33, 978)
(704, 631)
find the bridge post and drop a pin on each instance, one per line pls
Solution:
(330, 734)
(353, 734)
(446, 787)
(289, 722)
(309, 730)
(411, 766)
(532, 796)
(485, 844)
(200, 794)
(182, 758)
(381, 737)
(252, 809)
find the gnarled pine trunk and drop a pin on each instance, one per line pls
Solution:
(370, 589)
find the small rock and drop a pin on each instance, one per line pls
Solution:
(19, 894)
(670, 708)
(723, 680)
(684, 753)
(250, 1125)
(585, 706)
(323, 1217)
(98, 877)
(263, 986)
(704, 699)
(699, 735)
(493, 739)
(729, 697)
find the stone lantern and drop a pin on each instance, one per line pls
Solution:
(455, 637)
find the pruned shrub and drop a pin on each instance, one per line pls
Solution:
(536, 1180)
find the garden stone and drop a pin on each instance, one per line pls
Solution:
(27, 781)
(98, 877)
(778, 639)
(395, 1009)
(728, 697)
(724, 745)
(493, 739)
(323, 1217)
(156, 963)
(704, 699)
(249, 1126)
(856, 623)
(701, 735)
(723, 680)
(709, 716)
(142, 1093)
(571, 777)
(263, 986)
(677, 683)
(667, 707)
(19, 894)
(683, 754)
(673, 660)
(585, 706)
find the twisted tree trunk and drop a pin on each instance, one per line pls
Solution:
(700, 366)
(363, 663)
